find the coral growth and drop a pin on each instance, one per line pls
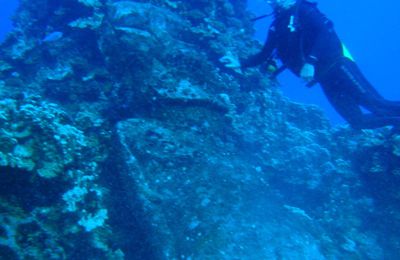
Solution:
(123, 137)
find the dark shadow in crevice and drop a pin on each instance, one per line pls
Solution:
(131, 227)
(28, 190)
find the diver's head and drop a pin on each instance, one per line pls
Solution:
(281, 4)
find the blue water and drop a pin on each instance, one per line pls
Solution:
(7, 9)
(369, 29)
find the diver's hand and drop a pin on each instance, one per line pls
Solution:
(307, 72)
(231, 61)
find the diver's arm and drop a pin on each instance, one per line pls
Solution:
(264, 55)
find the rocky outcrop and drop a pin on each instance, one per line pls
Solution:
(123, 137)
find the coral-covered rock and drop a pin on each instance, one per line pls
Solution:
(122, 136)
(43, 164)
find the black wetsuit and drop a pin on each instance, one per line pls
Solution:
(302, 34)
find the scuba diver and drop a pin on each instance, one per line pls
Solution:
(304, 40)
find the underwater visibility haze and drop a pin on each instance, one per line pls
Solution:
(123, 136)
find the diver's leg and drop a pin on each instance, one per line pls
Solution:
(366, 94)
(338, 92)
(350, 112)
(353, 114)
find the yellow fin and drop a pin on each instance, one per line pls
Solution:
(346, 53)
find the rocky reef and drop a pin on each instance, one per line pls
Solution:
(123, 137)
